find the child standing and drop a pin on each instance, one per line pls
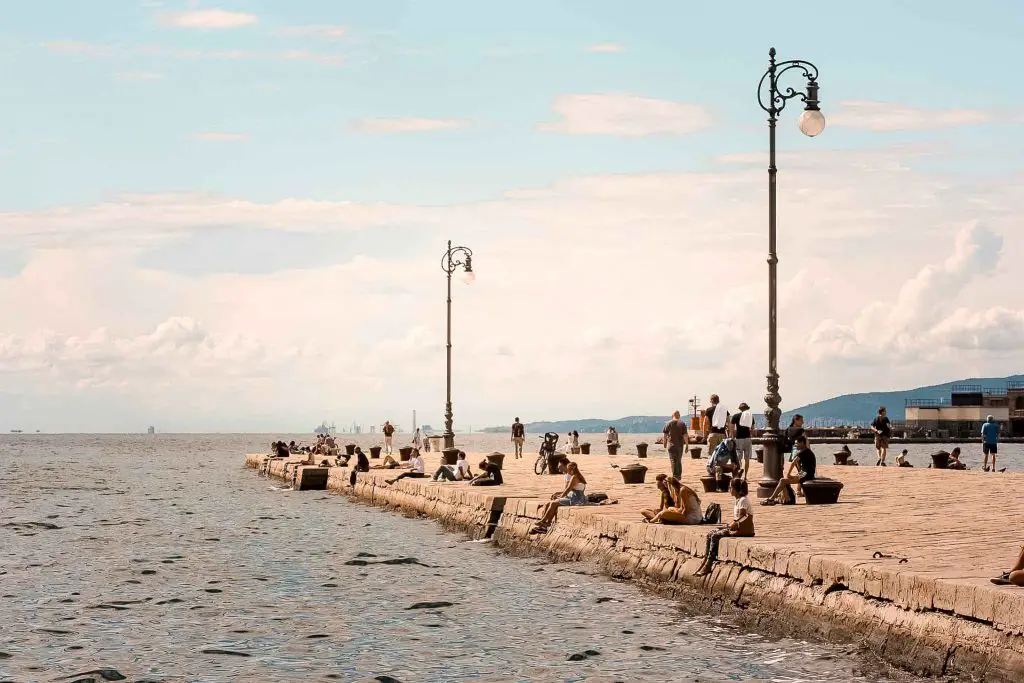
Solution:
(742, 524)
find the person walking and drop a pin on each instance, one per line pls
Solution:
(990, 440)
(518, 437)
(715, 420)
(417, 439)
(883, 432)
(389, 432)
(677, 440)
(742, 424)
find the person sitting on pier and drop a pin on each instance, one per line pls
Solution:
(458, 472)
(415, 466)
(572, 494)
(279, 449)
(954, 460)
(362, 465)
(901, 459)
(679, 503)
(1014, 577)
(807, 464)
(742, 525)
(490, 475)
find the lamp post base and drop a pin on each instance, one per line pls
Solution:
(772, 465)
(449, 440)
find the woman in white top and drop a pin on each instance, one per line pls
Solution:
(742, 525)
(415, 466)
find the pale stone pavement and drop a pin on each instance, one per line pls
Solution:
(956, 529)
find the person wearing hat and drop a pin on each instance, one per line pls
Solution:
(742, 426)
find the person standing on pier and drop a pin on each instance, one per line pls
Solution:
(677, 440)
(417, 439)
(389, 431)
(742, 424)
(883, 432)
(518, 437)
(990, 440)
(715, 420)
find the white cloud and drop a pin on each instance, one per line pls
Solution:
(331, 31)
(887, 116)
(921, 321)
(606, 47)
(626, 115)
(408, 124)
(208, 19)
(131, 52)
(138, 76)
(586, 289)
(218, 136)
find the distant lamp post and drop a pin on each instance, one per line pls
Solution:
(773, 100)
(452, 260)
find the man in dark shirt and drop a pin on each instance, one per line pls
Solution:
(742, 425)
(491, 475)
(883, 432)
(793, 431)
(518, 437)
(677, 438)
(808, 465)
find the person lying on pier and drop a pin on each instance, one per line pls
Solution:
(362, 465)
(458, 472)
(572, 494)
(1014, 577)
(807, 464)
(742, 525)
(415, 467)
(679, 503)
(954, 460)
(490, 475)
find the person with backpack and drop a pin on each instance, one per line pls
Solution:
(742, 525)
(716, 418)
(742, 426)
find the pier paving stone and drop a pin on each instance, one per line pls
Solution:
(956, 529)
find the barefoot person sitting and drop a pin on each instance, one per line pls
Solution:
(415, 467)
(807, 464)
(679, 503)
(572, 494)
(1014, 577)
(742, 525)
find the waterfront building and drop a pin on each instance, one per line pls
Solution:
(962, 414)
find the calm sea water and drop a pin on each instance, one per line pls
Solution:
(162, 559)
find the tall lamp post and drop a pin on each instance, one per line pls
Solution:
(450, 262)
(773, 100)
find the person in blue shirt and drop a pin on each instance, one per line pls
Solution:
(990, 440)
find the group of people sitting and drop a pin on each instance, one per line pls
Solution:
(681, 505)
(325, 445)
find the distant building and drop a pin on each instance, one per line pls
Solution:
(963, 413)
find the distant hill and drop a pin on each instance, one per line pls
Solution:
(849, 409)
(854, 409)
(636, 424)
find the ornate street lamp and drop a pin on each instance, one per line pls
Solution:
(450, 262)
(773, 100)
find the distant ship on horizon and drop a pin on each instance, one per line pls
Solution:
(324, 429)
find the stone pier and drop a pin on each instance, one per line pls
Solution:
(900, 565)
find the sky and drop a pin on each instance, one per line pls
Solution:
(231, 215)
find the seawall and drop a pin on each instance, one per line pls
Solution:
(925, 606)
